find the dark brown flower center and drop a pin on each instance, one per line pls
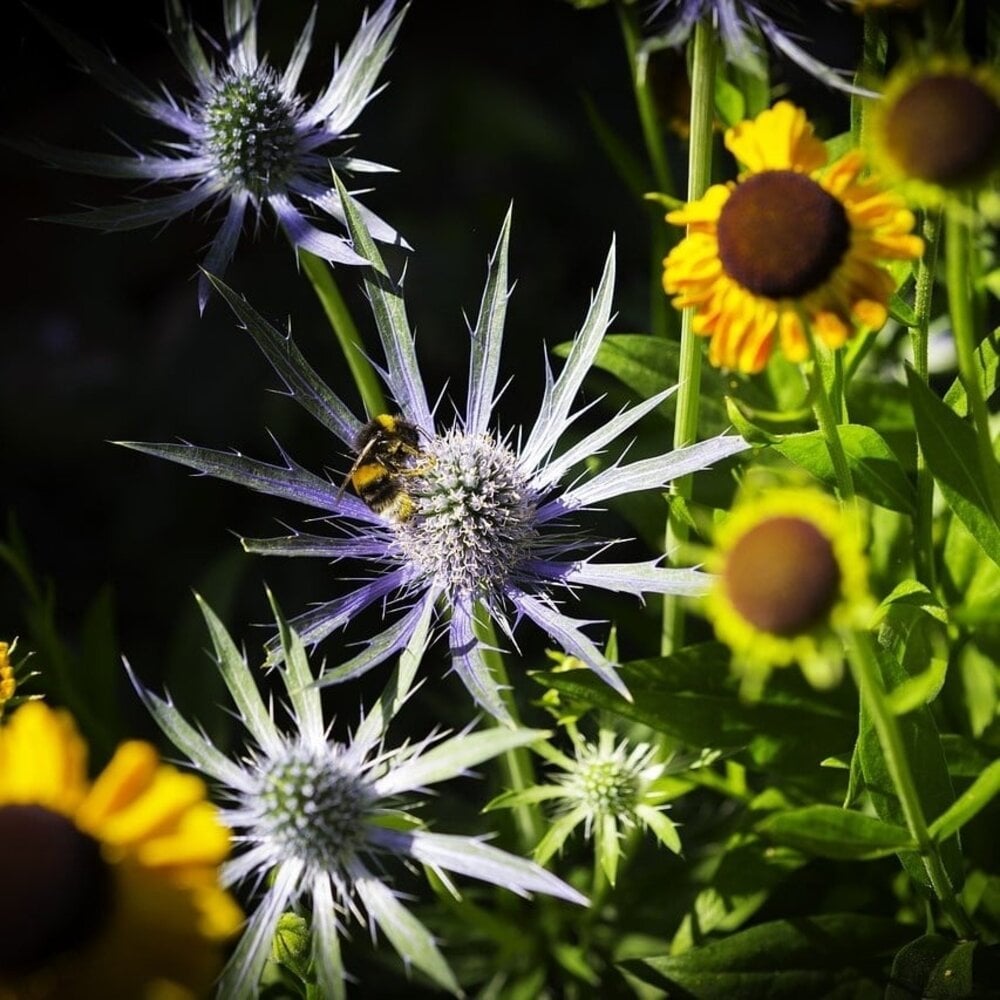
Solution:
(945, 129)
(55, 890)
(781, 235)
(782, 576)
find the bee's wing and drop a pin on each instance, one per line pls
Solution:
(362, 455)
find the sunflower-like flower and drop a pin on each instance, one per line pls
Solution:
(792, 240)
(478, 521)
(936, 130)
(741, 25)
(109, 887)
(606, 787)
(318, 819)
(245, 138)
(791, 577)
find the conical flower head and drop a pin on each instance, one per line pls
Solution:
(245, 137)
(463, 516)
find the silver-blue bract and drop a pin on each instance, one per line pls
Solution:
(316, 820)
(741, 25)
(246, 137)
(492, 532)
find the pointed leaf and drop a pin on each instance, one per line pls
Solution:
(487, 338)
(949, 446)
(876, 471)
(830, 832)
(454, 757)
(240, 682)
(823, 956)
(304, 385)
(976, 797)
(406, 934)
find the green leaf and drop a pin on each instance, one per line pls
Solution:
(976, 797)
(965, 759)
(925, 754)
(919, 690)
(988, 366)
(830, 832)
(877, 474)
(743, 880)
(901, 311)
(937, 968)
(729, 102)
(824, 956)
(648, 365)
(949, 446)
(692, 697)
(980, 687)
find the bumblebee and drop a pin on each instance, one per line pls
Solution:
(387, 447)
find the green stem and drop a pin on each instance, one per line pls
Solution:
(516, 765)
(866, 676)
(656, 151)
(689, 390)
(365, 378)
(826, 419)
(923, 528)
(958, 250)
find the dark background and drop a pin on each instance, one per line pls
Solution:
(101, 338)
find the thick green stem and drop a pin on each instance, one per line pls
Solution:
(866, 676)
(826, 418)
(656, 151)
(689, 390)
(923, 527)
(958, 250)
(365, 378)
(516, 765)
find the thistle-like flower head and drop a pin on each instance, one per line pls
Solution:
(608, 787)
(317, 820)
(487, 529)
(245, 138)
(742, 25)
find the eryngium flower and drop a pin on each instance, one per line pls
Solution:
(608, 788)
(246, 137)
(741, 25)
(490, 526)
(318, 819)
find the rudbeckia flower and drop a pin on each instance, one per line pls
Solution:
(936, 130)
(110, 887)
(791, 576)
(244, 138)
(791, 240)
(485, 523)
(318, 820)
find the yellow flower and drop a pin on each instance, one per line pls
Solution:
(936, 130)
(790, 238)
(790, 576)
(8, 682)
(109, 888)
